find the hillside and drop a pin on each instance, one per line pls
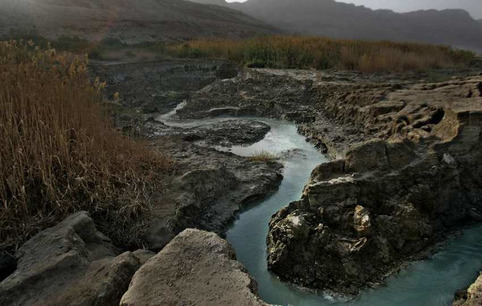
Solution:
(341, 20)
(130, 21)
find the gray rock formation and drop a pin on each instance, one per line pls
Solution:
(211, 189)
(69, 264)
(472, 296)
(158, 86)
(336, 110)
(224, 133)
(386, 202)
(195, 268)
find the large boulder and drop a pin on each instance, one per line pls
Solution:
(69, 264)
(195, 268)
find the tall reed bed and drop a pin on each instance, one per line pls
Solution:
(59, 153)
(324, 53)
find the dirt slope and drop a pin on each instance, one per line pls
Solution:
(129, 20)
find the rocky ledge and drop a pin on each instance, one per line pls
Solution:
(224, 133)
(209, 189)
(362, 217)
(336, 110)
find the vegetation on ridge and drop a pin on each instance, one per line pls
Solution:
(324, 53)
(59, 153)
(292, 52)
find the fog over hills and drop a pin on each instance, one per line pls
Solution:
(474, 7)
(129, 20)
(149, 20)
(341, 20)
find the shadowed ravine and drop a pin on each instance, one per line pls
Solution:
(430, 282)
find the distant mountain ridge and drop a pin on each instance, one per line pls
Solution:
(129, 20)
(341, 20)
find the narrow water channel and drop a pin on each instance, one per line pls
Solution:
(429, 282)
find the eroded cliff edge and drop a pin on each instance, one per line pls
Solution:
(386, 202)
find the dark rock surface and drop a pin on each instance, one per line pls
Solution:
(158, 86)
(211, 188)
(8, 264)
(225, 133)
(195, 268)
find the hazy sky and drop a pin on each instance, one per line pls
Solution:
(474, 7)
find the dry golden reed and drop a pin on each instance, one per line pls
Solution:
(58, 151)
(324, 53)
(263, 156)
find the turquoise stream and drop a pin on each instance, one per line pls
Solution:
(429, 282)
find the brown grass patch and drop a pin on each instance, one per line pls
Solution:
(324, 53)
(263, 156)
(59, 153)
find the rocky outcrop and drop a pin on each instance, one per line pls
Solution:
(472, 296)
(195, 268)
(336, 110)
(210, 190)
(158, 86)
(69, 264)
(386, 202)
(225, 133)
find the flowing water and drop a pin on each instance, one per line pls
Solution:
(429, 282)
